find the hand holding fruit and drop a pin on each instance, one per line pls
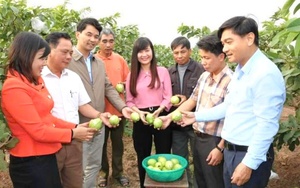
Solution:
(143, 115)
(114, 120)
(83, 133)
(105, 118)
(166, 120)
(149, 118)
(135, 117)
(126, 111)
(176, 116)
(177, 100)
(157, 123)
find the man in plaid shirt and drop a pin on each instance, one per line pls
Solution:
(209, 92)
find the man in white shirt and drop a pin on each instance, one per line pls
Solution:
(70, 96)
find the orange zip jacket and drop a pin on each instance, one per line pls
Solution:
(27, 109)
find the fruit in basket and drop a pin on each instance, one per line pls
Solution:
(162, 160)
(158, 165)
(177, 166)
(151, 162)
(163, 174)
(175, 161)
(169, 165)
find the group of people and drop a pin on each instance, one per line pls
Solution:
(229, 118)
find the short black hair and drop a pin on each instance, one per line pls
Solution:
(211, 43)
(89, 21)
(181, 41)
(241, 25)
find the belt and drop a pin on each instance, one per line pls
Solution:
(202, 135)
(232, 147)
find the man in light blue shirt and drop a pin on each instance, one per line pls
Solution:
(252, 107)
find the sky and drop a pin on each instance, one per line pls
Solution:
(159, 19)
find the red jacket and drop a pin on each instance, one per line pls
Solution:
(27, 109)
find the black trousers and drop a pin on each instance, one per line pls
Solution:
(143, 136)
(206, 176)
(34, 172)
(116, 135)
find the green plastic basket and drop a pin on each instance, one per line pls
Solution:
(165, 176)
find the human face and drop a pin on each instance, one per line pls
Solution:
(60, 56)
(181, 55)
(212, 63)
(38, 63)
(236, 47)
(145, 56)
(106, 44)
(87, 39)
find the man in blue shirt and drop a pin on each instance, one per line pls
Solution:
(252, 107)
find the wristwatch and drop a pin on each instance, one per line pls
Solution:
(220, 149)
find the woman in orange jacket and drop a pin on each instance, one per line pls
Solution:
(27, 104)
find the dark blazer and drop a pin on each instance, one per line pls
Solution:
(191, 76)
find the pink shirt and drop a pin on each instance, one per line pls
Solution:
(148, 97)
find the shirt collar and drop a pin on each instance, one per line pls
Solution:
(77, 54)
(104, 57)
(47, 72)
(240, 71)
(219, 76)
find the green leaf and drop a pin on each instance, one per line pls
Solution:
(293, 22)
(15, 10)
(283, 130)
(297, 115)
(297, 46)
(292, 146)
(296, 8)
(277, 37)
(291, 36)
(293, 29)
(288, 136)
(287, 5)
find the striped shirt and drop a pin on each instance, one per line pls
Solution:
(208, 93)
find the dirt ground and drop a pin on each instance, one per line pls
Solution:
(286, 165)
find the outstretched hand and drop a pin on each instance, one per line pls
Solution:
(188, 118)
(166, 121)
(83, 133)
(126, 111)
(105, 118)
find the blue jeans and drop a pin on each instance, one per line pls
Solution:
(180, 146)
